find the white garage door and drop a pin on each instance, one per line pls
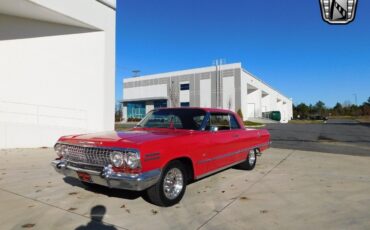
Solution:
(251, 110)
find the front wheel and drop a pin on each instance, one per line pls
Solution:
(250, 163)
(171, 186)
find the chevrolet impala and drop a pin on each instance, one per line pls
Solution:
(169, 148)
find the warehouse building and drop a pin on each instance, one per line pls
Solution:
(226, 86)
(57, 69)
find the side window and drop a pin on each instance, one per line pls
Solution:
(177, 124)
(233, 122)
(219, 120)
(158, 121)
(198, 120)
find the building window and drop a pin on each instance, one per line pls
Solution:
(160, 104)
(184, 104)
(185, 86)
(136, 109)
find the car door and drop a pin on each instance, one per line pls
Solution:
(242, 140)
(223, 141)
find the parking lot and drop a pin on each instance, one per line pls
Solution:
(289, 189)
(339, 136)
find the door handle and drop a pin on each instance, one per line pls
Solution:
(235, 135)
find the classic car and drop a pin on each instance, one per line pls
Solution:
(169, 148)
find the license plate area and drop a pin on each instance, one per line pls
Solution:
(85, 177)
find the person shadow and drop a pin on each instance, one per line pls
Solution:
(97, 214)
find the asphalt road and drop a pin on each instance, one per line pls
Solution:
(336, 136)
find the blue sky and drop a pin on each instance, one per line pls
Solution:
(285, 43)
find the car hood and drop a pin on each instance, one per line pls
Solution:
(131, 136)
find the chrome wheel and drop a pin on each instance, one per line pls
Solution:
(173, 183)
(252, 157)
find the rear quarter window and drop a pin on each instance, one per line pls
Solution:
(220, 120)
(233, 122)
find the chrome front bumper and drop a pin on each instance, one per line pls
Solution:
(111, 179)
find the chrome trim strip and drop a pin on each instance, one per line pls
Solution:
(233, 153)
(152, 156)
(152, 159)
(205, 121)
(83, 170)
(221, 156)
(219, 169)
(98, 147)
(83, 163)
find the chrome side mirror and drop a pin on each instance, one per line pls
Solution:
(214, 128)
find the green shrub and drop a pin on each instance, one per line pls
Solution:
(240, 113)
(251, 123)
(133, 119)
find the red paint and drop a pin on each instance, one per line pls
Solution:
(208, 151)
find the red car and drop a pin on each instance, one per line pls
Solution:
(162, 153)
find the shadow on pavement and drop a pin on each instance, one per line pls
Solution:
(119, 193)
(97, 214)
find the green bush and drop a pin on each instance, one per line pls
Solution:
(133, 119)
(251, 123)
(240, 113)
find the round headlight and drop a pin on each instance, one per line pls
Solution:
(59, 150)
(117, 159)
(133, 160)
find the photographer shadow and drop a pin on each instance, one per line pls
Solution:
(97, 214)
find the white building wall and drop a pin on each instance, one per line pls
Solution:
(228, 93)
(149, 106)
(184, 94)
(244, 94)
(141, 92)
(55, 79)
(205, 93)
(255, 98)
(266, 104)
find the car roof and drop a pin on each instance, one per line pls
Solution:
(211, 110)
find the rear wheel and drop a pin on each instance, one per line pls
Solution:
(250, 163)
(171, 186)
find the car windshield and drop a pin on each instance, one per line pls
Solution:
(190, 119)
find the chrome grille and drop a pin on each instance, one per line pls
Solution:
(87, 155)
(84, 166)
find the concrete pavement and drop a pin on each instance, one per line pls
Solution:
(289, 189)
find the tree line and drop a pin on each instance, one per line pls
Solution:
(303, 111)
